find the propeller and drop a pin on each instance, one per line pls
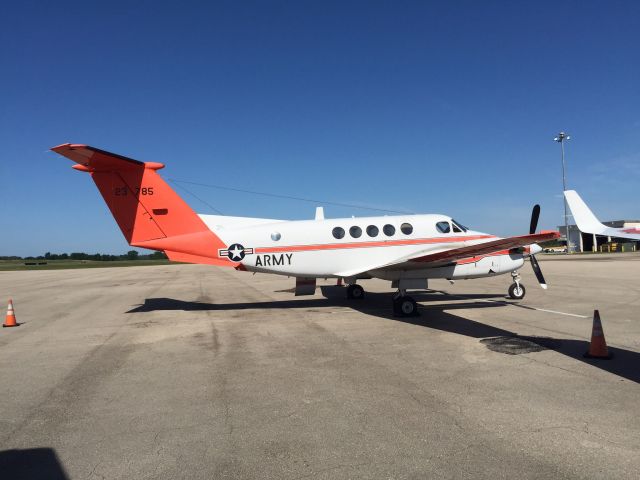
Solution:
(535, 215)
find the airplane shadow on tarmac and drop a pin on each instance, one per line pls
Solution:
(625, 363)
(32, 464)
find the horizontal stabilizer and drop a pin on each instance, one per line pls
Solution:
(99, 160)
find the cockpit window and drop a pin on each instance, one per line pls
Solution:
(461, 227)
(443, 227)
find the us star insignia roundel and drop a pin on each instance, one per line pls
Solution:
(235, 252)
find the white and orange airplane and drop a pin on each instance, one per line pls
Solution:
(406, 249)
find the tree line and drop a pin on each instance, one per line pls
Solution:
(101, 257)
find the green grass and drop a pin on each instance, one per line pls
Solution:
(13, 265)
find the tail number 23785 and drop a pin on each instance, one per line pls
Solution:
(124, 191)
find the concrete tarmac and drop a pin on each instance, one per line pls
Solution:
(188, 371)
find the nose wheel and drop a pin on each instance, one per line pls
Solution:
(516, 290)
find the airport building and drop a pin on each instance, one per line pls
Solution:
(588, 242)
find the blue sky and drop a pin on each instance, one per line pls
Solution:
(447, 107)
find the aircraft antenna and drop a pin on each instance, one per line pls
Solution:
(196, 197)
(288, 197)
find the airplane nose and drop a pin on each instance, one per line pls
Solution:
(535, 248)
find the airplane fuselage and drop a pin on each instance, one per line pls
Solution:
(344, 247)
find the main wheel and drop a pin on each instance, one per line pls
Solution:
(517, 291)
(355, 291)
(405, 306)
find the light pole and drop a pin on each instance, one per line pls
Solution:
(560, 138)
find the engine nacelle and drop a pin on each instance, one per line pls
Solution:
(484, 267)
(492, 265)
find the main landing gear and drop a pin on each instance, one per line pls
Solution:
(355, 292)
(404, 305)
(516, 290)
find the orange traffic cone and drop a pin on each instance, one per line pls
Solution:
(10, 320)
(598, 347)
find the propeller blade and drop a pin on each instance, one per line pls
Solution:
(535, 215)
(536, 269)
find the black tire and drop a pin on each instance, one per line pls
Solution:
(355, 292)
(405, 307)
(516, 291)
(396, 306)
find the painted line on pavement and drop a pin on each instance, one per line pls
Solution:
(527, 307)
(552, 311)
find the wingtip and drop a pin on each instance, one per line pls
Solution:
(75, 152)
(66, 146)
(61, 147)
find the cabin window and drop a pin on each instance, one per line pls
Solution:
(275, 236)
(355, 232)
(406, 228)
(443, 227)
(372, 231)
(338, 232)
(389, 230)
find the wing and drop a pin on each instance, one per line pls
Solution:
(443, 257)
(486, 248)
(588, 223)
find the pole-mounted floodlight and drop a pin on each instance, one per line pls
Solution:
(560, 138)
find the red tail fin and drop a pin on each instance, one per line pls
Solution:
(148, 211)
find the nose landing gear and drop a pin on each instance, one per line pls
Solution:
(516, 290)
